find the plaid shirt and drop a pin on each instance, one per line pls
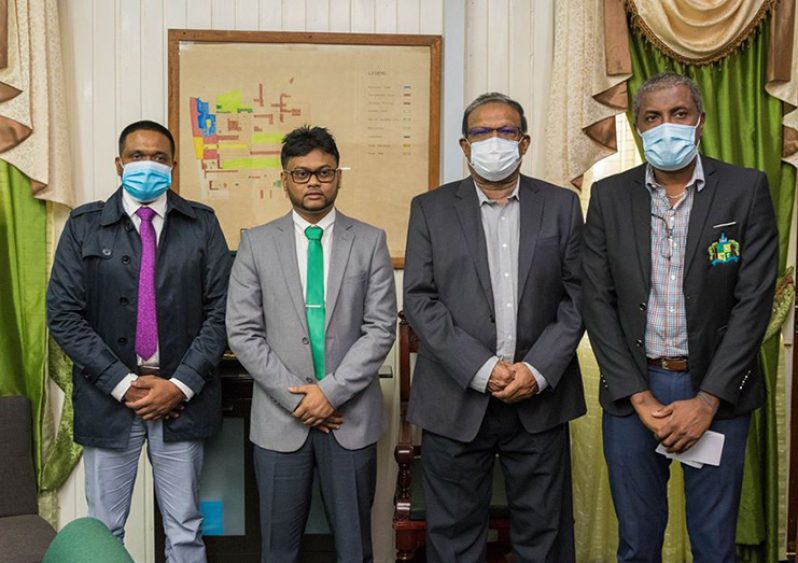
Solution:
(666, 319)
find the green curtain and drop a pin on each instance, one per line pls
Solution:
(743, 127)
(26, 356)
(23, 277)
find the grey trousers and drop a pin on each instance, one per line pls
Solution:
(537, 475)
(347, 480)
(176, 469)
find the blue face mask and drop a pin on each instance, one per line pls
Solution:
(670, 146)
(146, 180)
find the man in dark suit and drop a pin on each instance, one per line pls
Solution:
(680, 263)
(492, 289)
(137, 301)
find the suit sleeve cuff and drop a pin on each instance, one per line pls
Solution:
(480, 380)
(118, 392)
(542, 383)
(184, 388)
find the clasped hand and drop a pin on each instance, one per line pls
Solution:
(315, 410)
(678, 425)
(153, 398)
(512, 383)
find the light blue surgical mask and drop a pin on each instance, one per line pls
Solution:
(670, 146)
(146, 180)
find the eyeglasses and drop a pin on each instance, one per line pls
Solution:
(302, 175)
(667, 243)
(505, 132)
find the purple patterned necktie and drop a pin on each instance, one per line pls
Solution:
(146, 321)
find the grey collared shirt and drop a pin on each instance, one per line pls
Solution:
(666, 318)
(501, 224)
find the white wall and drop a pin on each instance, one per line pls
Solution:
(116, 73)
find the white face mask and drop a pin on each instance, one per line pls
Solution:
(494, 159)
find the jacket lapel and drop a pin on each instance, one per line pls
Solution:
(286, 251)
(531, 217)
(341, 247)
(641, 221)
(702, 204)
(467, 207)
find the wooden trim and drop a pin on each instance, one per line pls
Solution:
(176, 36)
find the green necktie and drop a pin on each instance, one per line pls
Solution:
(314, 298)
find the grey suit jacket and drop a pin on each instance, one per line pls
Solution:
(448, 301)
(267, 330)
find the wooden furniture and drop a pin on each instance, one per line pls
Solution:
(409, 522)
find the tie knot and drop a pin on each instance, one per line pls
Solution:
(314, 233)
(146, 213)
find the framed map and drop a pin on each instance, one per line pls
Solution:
(233, 95)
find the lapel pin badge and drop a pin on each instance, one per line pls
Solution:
(724, 251)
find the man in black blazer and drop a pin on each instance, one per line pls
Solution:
(492, 289)
(679, 264)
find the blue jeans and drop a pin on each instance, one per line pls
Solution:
(639, 480)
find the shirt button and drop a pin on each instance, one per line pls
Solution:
(509, 305)
(122, 340)
(125, 259)
(506, 275)
(504, 245)
(304, 340)
(673, 276)
(124, 300)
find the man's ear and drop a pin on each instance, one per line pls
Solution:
(466, 147)
(118, 163)
(524, 144)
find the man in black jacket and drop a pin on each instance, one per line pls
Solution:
(137, 300)
(679, 273)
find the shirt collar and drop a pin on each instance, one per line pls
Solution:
(485, 199)
(696, 179)
(302, 224)
(130, 205)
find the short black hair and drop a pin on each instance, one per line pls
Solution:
(305, 139)
(493, 97)
(145, 125)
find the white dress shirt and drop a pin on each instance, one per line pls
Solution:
(501, 224)
(130, 206)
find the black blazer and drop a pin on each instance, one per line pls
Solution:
(448, 301)
(727, 305)
(91, 310)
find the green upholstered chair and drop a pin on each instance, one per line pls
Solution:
(86, 540)
(409, 522)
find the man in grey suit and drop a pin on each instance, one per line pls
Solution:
(313, 333)
(492, 289)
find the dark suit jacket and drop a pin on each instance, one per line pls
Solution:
(448, 301)
(91, 310)
(728, 305)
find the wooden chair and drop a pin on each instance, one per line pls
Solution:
(409, 522)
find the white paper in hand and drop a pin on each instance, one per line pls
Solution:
(708, 449)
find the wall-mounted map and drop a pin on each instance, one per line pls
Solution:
(234, 95)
